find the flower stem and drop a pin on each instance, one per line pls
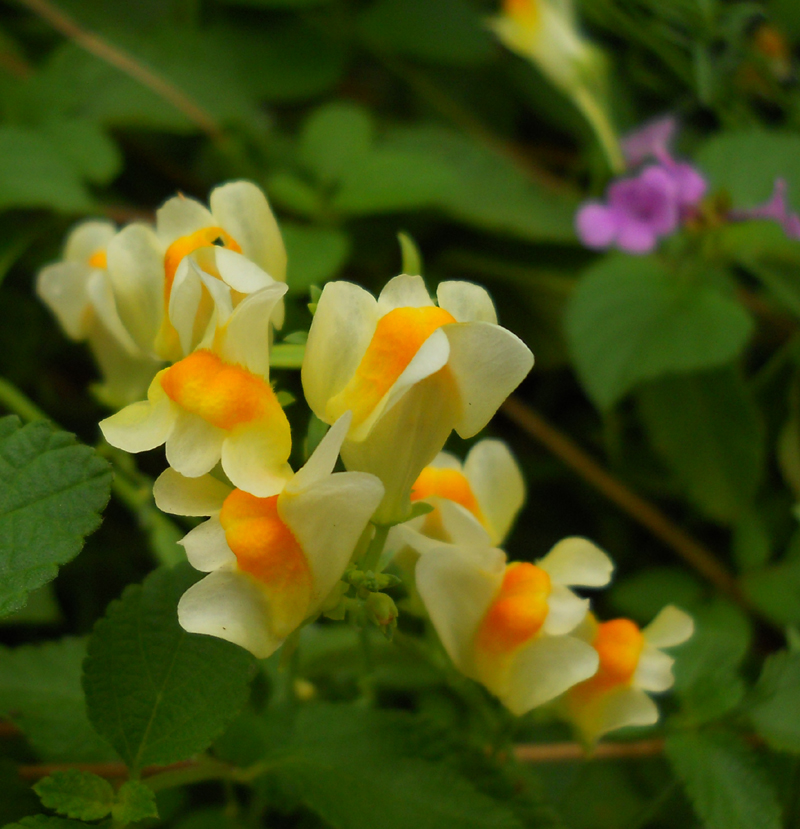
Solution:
(372, 557)
(15, 401)
(601, 125)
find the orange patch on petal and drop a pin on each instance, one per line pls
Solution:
(206, 237)
(518, 611)
(397, 338)
(98, 260)
(443, 482)
(266, 549)
(222, 394)
(523, 12)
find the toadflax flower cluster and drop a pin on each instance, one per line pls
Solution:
(181, 318)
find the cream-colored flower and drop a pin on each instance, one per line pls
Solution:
(410, 371)
(273, 561)
(488, 486)
(631, 663)
(78, 292)
(507, 625)
(143, 263)
(217, 403)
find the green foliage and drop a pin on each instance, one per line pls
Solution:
(45, 822)
(775, 709)
(155, 692)
(631, 320)
(76, 794)
(51, 493)
(134, 801)
(349, 764)
(40, 690)
(707, 429)
(316, 254)
(727, 787)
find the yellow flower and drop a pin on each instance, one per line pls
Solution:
(410, 371)
(272, 561)
(631, 663)
(217, 403)
(144, 264)
(78, 292)
(507, 625)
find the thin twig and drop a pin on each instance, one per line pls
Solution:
(112, 771)
(694, 553)
(563, 752)
(124, 62)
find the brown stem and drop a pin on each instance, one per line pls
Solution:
(562, 752)
(125, 63)
(694, 553)
(113, 771)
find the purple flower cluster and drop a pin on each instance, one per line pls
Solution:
(639, 210)
(776, 209)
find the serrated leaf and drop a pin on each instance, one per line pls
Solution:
(135, 801)
(52, 491)
(775, 712)
(155, 692)
(630, 320)
(727, 786)
(349, 764)
(708, 430)
(40, 691)
(76, 794)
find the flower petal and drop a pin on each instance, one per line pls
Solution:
(597, 225)
(618, 708)
(545, 668)
(184, 301)
(671, 627)
(181, 216)
(343, 326)
(488, 363)
(230, 605)
(403, 291)
(136, 269)
(86, 239)
(243, 211)
(63, 289)
(207, 548)
(254, 457)
(654, 671)
(457, 586)
(566, 612)
(577, 561)
(179, 495)
(99, 291)
(240, 273)
(327, 520)
(444, 460)
(322, 461)
(466, 301)
(194, 445)
(498, 485)
(144, 425)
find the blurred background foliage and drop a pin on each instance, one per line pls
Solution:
(363, 118)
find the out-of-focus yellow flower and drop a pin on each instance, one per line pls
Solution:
(144, 263)
(546, 32)
(78, 291)
(217, 402)
(507, 625)
(272, 561)
(410, 371)
(631, 663)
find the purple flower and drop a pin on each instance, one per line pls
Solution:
(653, 140)
(638, 212)
(775, 209)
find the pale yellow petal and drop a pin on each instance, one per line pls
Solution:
(179, 495)
(87, 239)
(194, 445)
(671, 627)
(577, 561)
(181, 216)
(466, 301)
(254, 457)
(207, 548)
(404, 291)
(144, 425)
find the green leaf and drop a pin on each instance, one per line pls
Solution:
(76, 794)
(727, 787)
(135, 801)
(316, 254)
(643, 594)
(447, 31)
(45, 822)
(52, 491)
(775, 712)
(707, 677)
(87, 146)
(632, 320)
(349, 764)
(16, 796)
(40, 691)
(746, 164)
(334, 137)
(436, 167)
(708, 430)
(286, 355)
(775, 591)
(35, 173)
(751, 543)
(155, 692)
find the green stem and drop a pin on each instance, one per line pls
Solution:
(15, 401)
(206, 769)
(372, 557)
(601, 125)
